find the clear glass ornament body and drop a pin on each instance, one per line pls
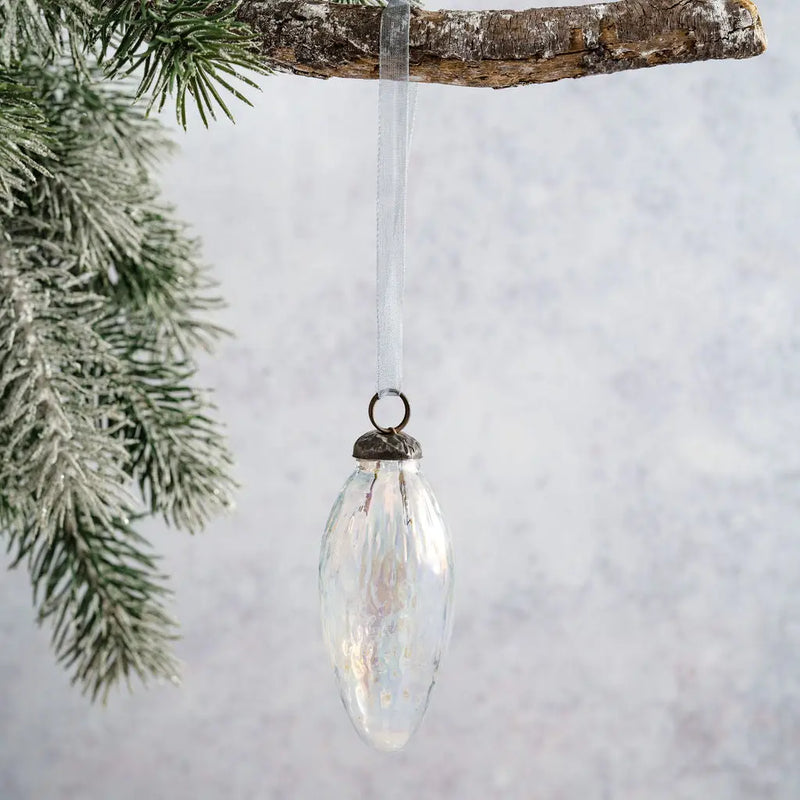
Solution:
(386, 589)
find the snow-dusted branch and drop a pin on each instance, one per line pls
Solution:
(506, 48)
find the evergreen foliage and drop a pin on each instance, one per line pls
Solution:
(104, 305)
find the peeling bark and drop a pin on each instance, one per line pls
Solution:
(506, 48)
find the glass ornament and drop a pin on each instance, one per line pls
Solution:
(386, 589)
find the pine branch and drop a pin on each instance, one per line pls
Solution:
(102, 304)
(91, 198)
(86, 205)
(181, 47)
(80, 105)
(164, 292)
(23, 140)
(44, 27)
(100, 589)
(176, 450)
(65, 509)
(57, 463)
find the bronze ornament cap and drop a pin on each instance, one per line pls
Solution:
(377, 446)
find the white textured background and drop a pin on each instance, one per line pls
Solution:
(603, 352)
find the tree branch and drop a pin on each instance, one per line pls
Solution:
(505, 48)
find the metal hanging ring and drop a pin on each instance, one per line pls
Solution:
(397, 428)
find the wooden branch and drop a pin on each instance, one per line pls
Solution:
(506, 48)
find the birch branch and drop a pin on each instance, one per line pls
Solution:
(506, 48)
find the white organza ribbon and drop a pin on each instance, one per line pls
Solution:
(395, 118)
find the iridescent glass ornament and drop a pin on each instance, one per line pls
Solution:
(386, 589)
